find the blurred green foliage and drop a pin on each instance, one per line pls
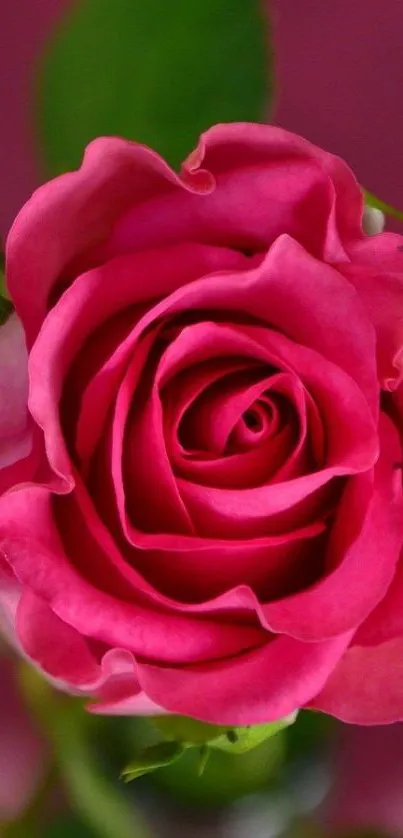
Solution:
(311, 734)
(183, 734)
(156, 73)
(226, 776)
(67, 827)
(73, 736)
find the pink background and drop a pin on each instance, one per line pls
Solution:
(339, 75)
(24, 26)
(340, 83)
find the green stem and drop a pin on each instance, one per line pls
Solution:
(100, 805)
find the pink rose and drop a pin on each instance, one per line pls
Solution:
(213, 369)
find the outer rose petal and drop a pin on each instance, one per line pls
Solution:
(381, 291)
(386, 621)
(378, 252)
(255, 168)
(118, 692)
(239, 145)
(31, 544)
(59, 649)
(123, 687)
(84, 205)
(67, 660)
(376, 271)
(366, 688)
(259, 686)
(16, 437)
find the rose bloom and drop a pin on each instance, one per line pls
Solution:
(202, 510)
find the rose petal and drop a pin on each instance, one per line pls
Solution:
(55, 646)
(348, 450)
(27, 529)
(366, 688)
(231, 577)
(296, 295)
(231, 147)
(259, 686)
(382, 293)
(84, 204)
(76, 316)
(385, 622)
(215, 417)
(367, 532)
(254, 167)
(152, 499)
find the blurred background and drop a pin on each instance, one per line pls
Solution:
(161, 73)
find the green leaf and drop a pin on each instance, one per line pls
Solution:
(203, 760)
(157, 756)
(189, 731)
(226, 777)
(373, 201)
(235, 740)
(157, 72)
(238, 740)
